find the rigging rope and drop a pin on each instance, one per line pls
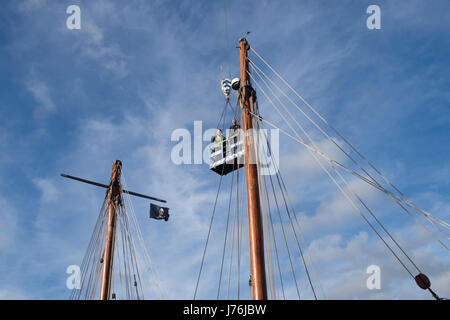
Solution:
(339, 186)
(375, 184)
(260, 118)
(274, 240)
(154, 275)
(236, 215)
(240, 230)
(226, 234)
(209, 233)
(126, 261)
(285, 239)
(334, 162)
(270, 239)
(92, 255)
(315, 146)
(295, 216)
(409, 202)
(257, 117)
(266, 143)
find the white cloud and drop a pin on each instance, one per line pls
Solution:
(95, 45)
(336, 211)
(48, 189)
(40, 92)
(342, 264)
(302, 161)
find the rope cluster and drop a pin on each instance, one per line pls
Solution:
(132, 269)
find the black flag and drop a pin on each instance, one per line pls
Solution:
(157, 212)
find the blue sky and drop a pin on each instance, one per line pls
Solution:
(73, 101)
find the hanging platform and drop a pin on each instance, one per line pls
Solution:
(227, 156)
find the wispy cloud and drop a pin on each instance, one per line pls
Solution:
(40, 92)
(47, 188)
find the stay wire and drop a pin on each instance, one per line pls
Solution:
(94, 259)
(407, 201)
(240, 230)
(209, 233)
(292, 225)
(226, 233)
(295, 216)
(284, 236)
(331, 162)
(75, 293)
(348, 197)
(236, 213)
(304, 131)
(370, 212)
(273, 236)
(373, 181)
(265, 204)
(153, 271)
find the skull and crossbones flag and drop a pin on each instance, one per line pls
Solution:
(159, 213)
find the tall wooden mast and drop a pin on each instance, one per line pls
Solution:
(114, 199)
(247, 101)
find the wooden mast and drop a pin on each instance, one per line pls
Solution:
(247, 100)
(114, 199)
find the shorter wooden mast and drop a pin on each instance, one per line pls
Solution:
(114, 200)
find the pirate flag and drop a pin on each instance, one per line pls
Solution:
(159, 213)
